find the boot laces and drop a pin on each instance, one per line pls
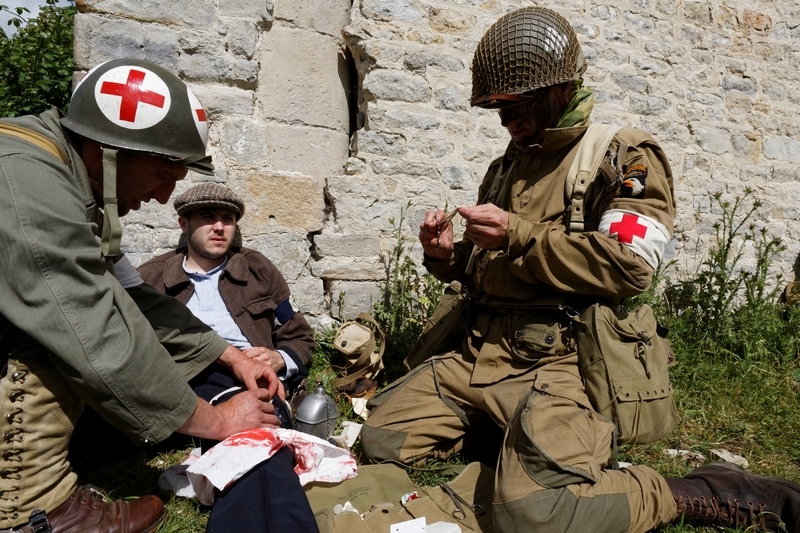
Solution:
(730, 512)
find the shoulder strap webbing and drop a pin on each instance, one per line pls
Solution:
(591, 150)
(35, 138)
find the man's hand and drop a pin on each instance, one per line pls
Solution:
(247, 410)
(253, 373)
(436, 235)
(486, 225)
(271, 357)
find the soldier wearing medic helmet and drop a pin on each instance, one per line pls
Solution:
(530, 250)
(77, 325)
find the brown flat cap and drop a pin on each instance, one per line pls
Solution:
(209, 196)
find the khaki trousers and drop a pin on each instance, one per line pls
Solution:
(552, 473)
(39, 411)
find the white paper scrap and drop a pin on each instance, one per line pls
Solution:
(409, 526)
(442, 527)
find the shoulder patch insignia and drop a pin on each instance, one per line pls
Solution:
(634, 182)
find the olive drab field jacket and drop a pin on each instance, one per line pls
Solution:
(56, 289)
(629, 208)
(539, 259)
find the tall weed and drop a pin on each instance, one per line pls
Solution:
(726, 310)
(409, 297)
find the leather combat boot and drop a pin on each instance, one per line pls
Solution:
(86, 512)
(726, 494)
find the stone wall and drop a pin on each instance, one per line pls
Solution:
(330, 118)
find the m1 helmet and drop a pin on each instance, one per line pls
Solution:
(133, 104)
(525, 50)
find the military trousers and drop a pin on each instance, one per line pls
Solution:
(553, 472)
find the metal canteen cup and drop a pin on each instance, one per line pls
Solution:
(317, 414)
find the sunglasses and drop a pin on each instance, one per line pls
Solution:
(521, 109)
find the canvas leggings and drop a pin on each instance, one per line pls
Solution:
(551, 475)
(39, 411)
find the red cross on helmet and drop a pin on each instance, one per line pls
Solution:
(137, 105)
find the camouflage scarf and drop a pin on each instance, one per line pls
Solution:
(579, 108)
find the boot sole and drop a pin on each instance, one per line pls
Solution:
(159, 523)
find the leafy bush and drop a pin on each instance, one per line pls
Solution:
(36, 62)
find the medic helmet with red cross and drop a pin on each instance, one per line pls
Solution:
(136, 105)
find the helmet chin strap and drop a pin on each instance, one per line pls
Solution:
(112, 228)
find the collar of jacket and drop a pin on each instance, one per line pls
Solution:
(554, 139)
(174, 275)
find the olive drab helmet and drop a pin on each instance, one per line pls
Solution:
(136, 105)
(131, 104)
(525, 50)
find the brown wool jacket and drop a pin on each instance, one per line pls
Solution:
(256, 295)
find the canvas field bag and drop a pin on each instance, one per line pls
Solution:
(362, 344)
(377, 492)
(625, 364)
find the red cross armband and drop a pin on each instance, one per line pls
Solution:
(645, 236)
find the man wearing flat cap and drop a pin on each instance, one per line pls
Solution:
(235, 290)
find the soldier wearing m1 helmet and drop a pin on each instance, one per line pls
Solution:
(77, 325)
(531, 253)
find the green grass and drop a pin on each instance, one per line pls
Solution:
(736, 379)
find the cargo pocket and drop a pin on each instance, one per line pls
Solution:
(534, 337)
(560, 441)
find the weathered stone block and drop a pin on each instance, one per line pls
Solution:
(355, 297)
(431, 147)
(377, 143)
(355, 166)
(242, 37)
(630, 83)
(101, 39)
(347, 245)
(396, 85)
(451, 21)
(281, 202)
(607, 13)
(648, 105)
(451, 98)
(311, 151)
(697, 12)
(196, 13)
(398, 119)
(745, 144)
(455, 177)
(308, 294)
(421, 59)
(201, 41)
(782, 149)
(349, 268)
(314, 94)
(714, 140)
(736, 83)
(392, 10)
(244, 141)
(290, 252)
(258, 11)
(224, 100)
(219, 68)
(756, 21)
(324, 16)
(393, 167)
